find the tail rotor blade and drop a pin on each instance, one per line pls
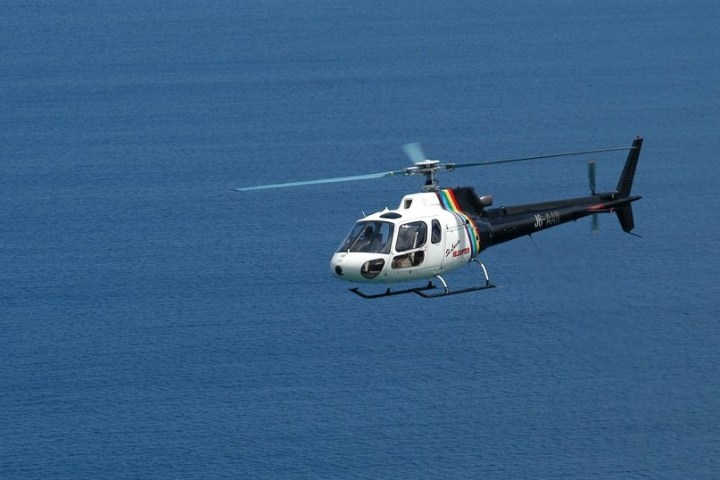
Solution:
(593, 190)
(591, 176)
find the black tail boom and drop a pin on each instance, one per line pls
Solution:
(506, 223)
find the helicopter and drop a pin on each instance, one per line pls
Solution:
(439, 230)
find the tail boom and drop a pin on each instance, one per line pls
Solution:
(507, 223)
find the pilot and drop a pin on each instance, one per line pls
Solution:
(376, 243)
(365, 239)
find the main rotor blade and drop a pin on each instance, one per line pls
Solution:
(415, 152)
(538, 157)
(351, 178)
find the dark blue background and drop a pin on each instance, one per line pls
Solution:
(156, 324)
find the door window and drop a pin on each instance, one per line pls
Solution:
(411, 235)
(436, 232)
(410, 240)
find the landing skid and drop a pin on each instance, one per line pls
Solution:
(422, 290)
(455, 292)
(390, 293)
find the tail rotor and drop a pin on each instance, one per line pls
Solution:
(593, 191)
(591, 176)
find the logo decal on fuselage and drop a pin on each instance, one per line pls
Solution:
(452, 249)
(449, 202)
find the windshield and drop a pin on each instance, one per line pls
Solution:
(373, 237)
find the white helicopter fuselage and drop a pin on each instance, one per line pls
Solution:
(419, 240)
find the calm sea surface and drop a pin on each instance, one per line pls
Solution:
(156, 324)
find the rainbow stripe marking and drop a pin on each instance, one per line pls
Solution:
(449, 202)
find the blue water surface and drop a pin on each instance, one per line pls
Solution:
(156, 324)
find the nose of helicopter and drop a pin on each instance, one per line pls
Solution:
(356, 267)
(345, 266)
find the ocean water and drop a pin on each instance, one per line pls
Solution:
(156, 324)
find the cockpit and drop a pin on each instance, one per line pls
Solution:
(369, 236)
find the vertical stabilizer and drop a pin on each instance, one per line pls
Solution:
(624, 212)
(628, 175)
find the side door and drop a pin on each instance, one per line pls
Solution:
(410, 250)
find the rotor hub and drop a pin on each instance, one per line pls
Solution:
(429, 169)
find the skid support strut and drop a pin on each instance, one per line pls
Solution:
(446, 291)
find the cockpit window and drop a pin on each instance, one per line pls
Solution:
(372, 237)
(411, 235)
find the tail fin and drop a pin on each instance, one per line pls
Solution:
(628, 174)
(624, 212)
